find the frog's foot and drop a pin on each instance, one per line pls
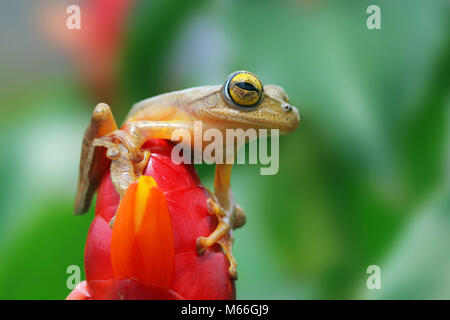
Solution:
(223, 235)
(135, 154)
(128, 161)
(128, 158)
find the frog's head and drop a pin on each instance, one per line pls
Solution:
(245, 102)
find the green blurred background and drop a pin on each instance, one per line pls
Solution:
(363, 181)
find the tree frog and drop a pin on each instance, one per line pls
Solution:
(242, 102)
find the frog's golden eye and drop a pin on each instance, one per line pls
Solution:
(243, 89)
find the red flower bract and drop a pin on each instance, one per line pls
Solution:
(151, 253)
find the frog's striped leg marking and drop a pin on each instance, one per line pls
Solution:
(223, 206)
(93, 162)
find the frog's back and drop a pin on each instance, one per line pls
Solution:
(163, 106)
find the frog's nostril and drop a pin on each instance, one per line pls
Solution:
(286, 107)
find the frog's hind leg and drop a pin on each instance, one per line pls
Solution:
(93, 162)
(223, 206)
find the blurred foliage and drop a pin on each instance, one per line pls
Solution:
(150, 33)
(364, 180)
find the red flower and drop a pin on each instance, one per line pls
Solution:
(151, 253)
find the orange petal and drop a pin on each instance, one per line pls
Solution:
(123, 235)
(142, 245)
(155, 241)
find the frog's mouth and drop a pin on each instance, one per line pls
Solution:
(286, 120)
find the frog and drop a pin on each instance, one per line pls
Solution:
(242, 102)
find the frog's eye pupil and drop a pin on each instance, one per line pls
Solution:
(243, 89)
(246, 86)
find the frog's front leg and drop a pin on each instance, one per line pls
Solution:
(128, 160)
(124, 149)
(222, 204)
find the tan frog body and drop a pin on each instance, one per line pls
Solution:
(241, 103)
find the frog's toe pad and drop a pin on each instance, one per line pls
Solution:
(201, 244)
(232, 272)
